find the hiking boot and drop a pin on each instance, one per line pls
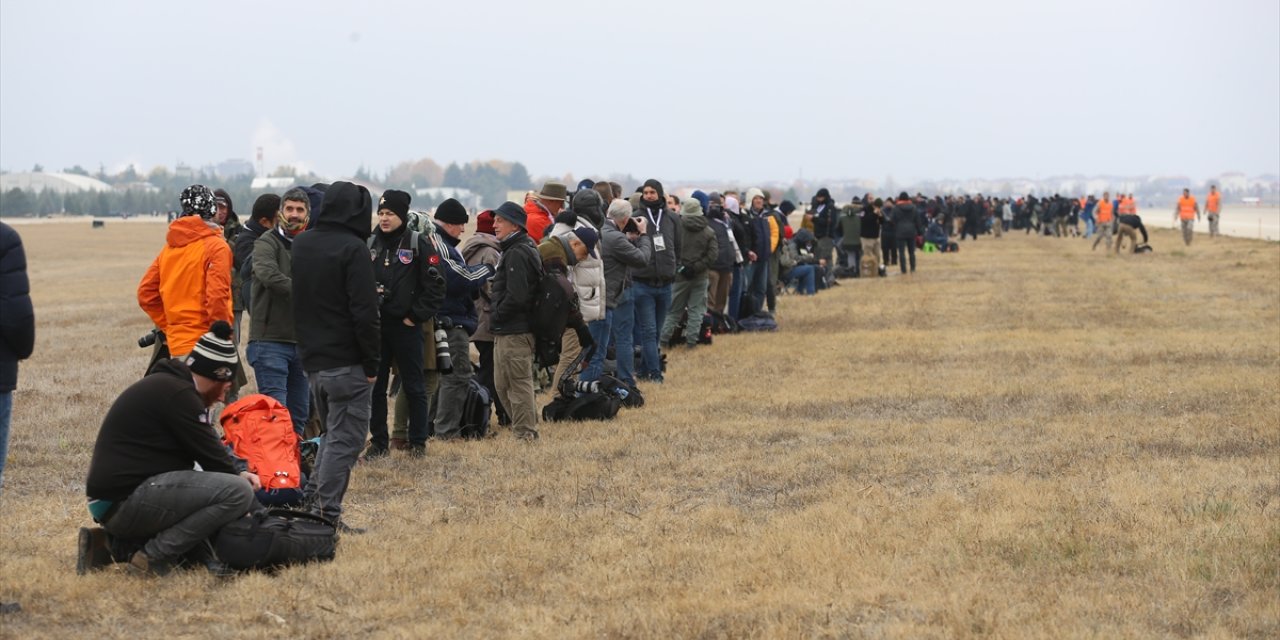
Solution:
(143, 565)
(93, 552)
(418, 450)
(399, 444)
(374, 452)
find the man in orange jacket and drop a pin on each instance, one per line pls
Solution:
(1213, 208)
(188, 286)
(1105, 216)
(542, 209)
(1188, 212)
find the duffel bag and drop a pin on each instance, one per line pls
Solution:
(273, 538)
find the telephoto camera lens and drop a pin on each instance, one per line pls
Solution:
(444, 362)
(148, 339)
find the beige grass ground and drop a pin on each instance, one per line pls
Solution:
(1024, 440)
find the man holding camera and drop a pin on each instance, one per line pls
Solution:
(188, 286)
(463, 285)
(410, 290)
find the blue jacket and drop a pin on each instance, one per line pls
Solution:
(462, 283)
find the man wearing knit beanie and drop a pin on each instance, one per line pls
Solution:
(141, 486)
(482, 248)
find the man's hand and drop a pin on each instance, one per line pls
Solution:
(642, 224)
(253, 480)
(751, 256)
(408, 322)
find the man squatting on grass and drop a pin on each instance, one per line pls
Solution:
(141, 484)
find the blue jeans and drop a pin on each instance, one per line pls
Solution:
(652, 304)
(624, 320)
(735, 293)
(1090, 226)
(278, 368)
(6, 408)
(803, 277)
(600, 333)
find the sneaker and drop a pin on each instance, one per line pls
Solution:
(374, 452)
(143, 565)
(93, 552)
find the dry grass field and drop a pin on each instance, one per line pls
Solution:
(1024, 440)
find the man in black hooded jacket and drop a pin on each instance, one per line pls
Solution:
(335, 310)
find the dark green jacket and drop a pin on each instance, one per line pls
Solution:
(272, 290)
(698, 245)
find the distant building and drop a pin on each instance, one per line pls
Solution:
(59, 182)
(264, 184)
(234, 168)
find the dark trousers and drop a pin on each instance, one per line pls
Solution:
(404, 345)
(907, 247)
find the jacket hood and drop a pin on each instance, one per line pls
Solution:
(171, 367)
(693, 222)
(348, 206)
(823, 193)
(189, 229)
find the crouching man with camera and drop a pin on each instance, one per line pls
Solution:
(141, 485)
(410, 291)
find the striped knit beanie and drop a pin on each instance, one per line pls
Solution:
(215, 356)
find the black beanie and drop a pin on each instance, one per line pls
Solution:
(266, 206)
(451, 212)
(214, 356)
(786, 207)
(397, 202)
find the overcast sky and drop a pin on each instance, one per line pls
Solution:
(737, 90)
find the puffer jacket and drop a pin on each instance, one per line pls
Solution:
(905, 222)
(698, 246)
(18, 320)
(482, 249)
(851, 225)
(188, 286)
(587, 275)
(662, 267)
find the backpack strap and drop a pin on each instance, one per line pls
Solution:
(297, 515)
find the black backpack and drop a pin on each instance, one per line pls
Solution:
(273, 538)
(476, 409)
(554, 300)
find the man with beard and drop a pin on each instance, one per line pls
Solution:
(826, 223)
(273, 342)
(652, 283)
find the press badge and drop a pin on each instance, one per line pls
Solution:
(659, 243)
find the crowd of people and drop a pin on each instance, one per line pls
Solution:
(344, 314)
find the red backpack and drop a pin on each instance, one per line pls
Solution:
(258, 429)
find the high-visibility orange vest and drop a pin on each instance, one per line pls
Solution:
(1213, 202)
(1104, 211)
(1187, 208)
(1129, 206)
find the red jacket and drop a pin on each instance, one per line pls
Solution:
(537, 219)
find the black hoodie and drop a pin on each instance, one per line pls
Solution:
(826, 215)
(335, 296)
(159, 424)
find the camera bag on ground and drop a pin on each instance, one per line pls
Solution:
(272, 538)
(258, 430)
(760, 321)
(596, 400)
(722, 323)
(476, 410)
